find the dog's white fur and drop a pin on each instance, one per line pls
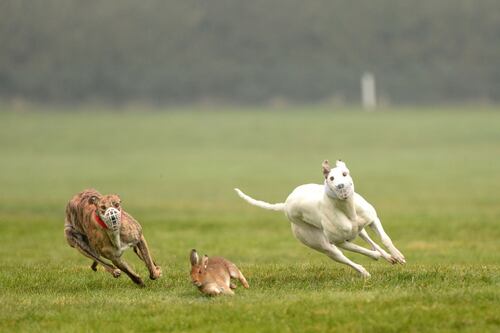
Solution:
(326, 217)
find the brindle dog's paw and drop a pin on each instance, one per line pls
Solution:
(116, 273)
(137, 280)
(157, 274)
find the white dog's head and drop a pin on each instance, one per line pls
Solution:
(338, 180)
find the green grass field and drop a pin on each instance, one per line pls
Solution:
(432, 174)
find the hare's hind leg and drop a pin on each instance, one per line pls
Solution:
(79, 242)
(235, 273)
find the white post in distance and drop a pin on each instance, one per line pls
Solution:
(368, 94)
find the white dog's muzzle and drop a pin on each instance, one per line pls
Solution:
(339, 193)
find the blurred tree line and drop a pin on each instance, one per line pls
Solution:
(254, 51)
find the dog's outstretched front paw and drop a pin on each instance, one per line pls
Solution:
(401, 260)
(398, 256)
(390, 259)
(94, 266)
(156, 274)
(363, 272)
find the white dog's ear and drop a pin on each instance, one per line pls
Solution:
(340, 164)
(194, 257)
(326, 168)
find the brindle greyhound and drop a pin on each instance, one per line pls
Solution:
(87, 230)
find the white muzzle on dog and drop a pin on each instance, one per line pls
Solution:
(112, 217)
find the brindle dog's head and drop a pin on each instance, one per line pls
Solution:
(106, 201)
(109, 210)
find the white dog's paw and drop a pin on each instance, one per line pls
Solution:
(363, 272)
(399, 258)
(390, 259)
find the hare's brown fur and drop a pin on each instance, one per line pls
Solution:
(213, 275)
(84, 233)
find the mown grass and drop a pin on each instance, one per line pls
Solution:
(432, 174)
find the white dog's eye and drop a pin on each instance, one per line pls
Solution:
(344, 173)
(331, 178)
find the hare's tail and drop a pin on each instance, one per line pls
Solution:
(261, 204)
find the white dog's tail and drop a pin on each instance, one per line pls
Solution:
(261, 204)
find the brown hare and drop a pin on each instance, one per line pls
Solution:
(213, 275)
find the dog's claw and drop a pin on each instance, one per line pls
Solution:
(399, 260)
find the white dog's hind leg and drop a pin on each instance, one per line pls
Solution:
(375, 255)
(315, 239)
(376, 225)
(364, 236)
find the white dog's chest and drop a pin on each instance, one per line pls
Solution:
(308, 204)
(339, 228)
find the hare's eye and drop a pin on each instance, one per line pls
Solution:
(331, 178)
(199, 271)
(344, 173)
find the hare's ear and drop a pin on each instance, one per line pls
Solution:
(204, 261)
(194, 257)
(326, 168)
(93, 200)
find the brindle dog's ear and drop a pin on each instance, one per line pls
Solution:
(326, 168)
(118, 199)
(93, 200)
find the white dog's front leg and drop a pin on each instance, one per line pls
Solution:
(359, 249)
(364, 236)
(376, 225)
(316, 239)
(333, 252)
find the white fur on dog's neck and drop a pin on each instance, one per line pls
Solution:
(345, 205)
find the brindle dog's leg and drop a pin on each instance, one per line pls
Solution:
(78, 241)
(136, 250)
(145, 255)
(122, 264)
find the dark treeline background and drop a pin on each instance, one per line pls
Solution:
(426, 51)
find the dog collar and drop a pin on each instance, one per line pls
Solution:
(100, 221)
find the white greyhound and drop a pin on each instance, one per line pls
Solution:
(326, 217)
